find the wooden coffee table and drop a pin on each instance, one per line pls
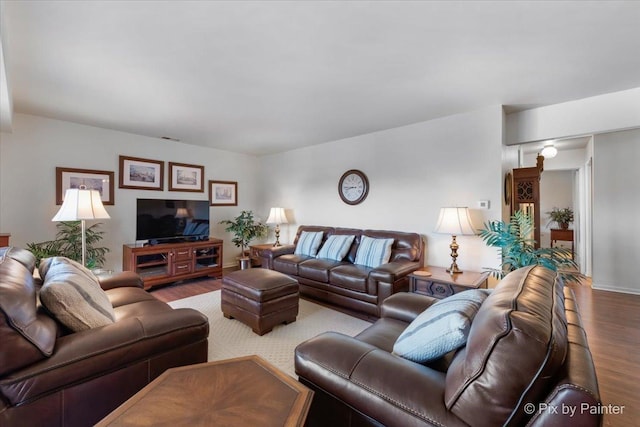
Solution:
(245, 391)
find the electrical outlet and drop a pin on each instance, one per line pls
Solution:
(483, 204)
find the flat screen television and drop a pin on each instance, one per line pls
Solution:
(172, 221)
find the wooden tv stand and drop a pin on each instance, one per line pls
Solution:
(171, 262)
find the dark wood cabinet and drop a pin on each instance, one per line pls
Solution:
(441, 284)
(526, 194)
(171, 262)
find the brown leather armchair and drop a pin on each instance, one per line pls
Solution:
(526, 356)
(52, 377)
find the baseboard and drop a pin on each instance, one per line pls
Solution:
(615, 289)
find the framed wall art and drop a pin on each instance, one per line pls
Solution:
(142, 174)
(183, 177)
(223, 193)
(91, 179)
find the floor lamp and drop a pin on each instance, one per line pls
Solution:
(455, 221)
(81, 204)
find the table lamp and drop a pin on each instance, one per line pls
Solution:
(81, 204)
(455, 221)
(277, 217)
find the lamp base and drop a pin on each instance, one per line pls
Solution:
(453, 269)
(277, 231)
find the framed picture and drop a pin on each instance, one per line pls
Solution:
(223, 193)
(183, 177)
(91, 180)
(142, 174)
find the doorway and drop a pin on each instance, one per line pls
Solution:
(565, 182)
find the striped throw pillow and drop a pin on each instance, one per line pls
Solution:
(373, 252)
(441, 328)
(336, 247)
(308, 243)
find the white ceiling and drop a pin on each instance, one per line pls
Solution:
(263, 77)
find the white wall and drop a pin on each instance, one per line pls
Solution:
(413, 171)
(616, 207)
(30, 154)
(597, 114)
(556, 191)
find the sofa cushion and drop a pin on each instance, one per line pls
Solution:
(441, 328)
(26, 334)
(73, 295)
(23, 256)
(373, 252)
(336, 247)
(288, 263)
(350, 276)
(317, 269)
(308, 243)
(519, 336)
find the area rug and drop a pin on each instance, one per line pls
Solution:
(230, 338)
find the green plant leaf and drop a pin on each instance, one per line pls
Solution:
(518, 250)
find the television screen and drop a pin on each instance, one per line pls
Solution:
(165, 221)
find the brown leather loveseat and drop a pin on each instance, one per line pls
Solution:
(526, 362)
(343, 282)
(50, 376)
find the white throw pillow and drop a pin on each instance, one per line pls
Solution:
(336, 247)
(73, 295)
(373, 252)
(308, 243)
(441, 328)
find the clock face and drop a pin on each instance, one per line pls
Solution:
(353, 187)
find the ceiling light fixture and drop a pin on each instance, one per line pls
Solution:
(549, 151)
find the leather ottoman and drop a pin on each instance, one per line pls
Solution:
(259, 298)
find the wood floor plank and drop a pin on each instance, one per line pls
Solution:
(611, 320)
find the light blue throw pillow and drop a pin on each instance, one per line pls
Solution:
(441, 328)
(336, 247)
(308, 243)
(373, 252)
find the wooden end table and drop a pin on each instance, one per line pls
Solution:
(565, 235)
(255, 252)
(245, 391)
(441, 284)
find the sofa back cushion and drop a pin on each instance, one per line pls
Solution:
(73, 295)
(26, 335)
(406, 246)
(517, 342)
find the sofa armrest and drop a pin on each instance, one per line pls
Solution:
(391, 390)
(389, 273)
(268, 255)
(120, 280)
(405, 306)
(81, 356)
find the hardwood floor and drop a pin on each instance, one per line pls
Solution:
(612, 322)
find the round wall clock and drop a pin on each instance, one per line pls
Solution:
(353, 187)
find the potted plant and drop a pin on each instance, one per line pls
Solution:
(68, 243)
(518, 250)
(563, 217)
(244, 228)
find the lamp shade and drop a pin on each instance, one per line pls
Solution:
(277, 216)
(549, 151)
(182, 213)
(455, 221)
(81, 204)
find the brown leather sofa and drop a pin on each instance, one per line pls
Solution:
(52, 377)
(344, 283)
(526, 362)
